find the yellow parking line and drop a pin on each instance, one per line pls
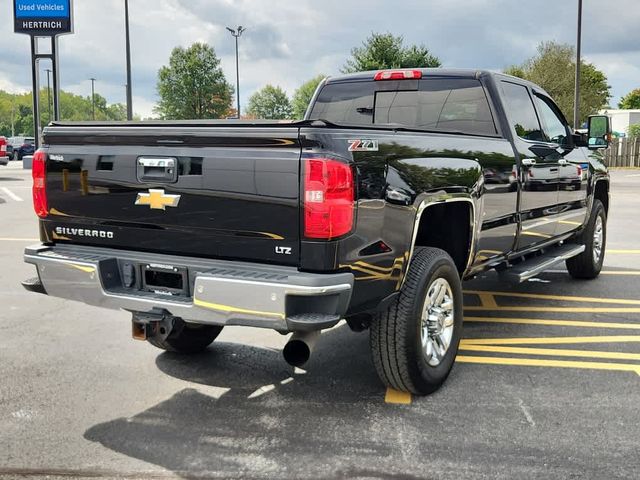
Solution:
(551, 352)
(531, 362)
(395, 396)
(556, 309)
(558, 323)
(551, 340)
(562, 298)
(632, 252)
(488, 300)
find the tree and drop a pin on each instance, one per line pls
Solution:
(384, 50)
(631, 100)
(270, 103)
(302, 96)
(18, 109)
(553, 68)
(634, 130)
(193, 86)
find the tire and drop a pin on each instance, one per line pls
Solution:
(396, 335)
(588, 264)
(186, 337)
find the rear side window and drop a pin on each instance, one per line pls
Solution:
(447, 104)
(521, 113)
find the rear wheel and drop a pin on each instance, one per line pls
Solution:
(186, 337)
(415, 341)
(588, 264)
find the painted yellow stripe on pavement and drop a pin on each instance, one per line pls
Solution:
(558, 323)
(556, 309)
(488, 300)
(562, 298)
(615, 251)
(551, 340)
(532, 362)
(553, 352)
(6, 239)
(395, 396)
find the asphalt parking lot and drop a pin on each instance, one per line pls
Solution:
(546, 385)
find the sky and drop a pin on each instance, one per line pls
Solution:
(290, 41)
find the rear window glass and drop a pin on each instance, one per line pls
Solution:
(458, 104)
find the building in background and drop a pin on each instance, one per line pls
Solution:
(621, 119)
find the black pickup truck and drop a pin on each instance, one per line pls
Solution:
(395, 187)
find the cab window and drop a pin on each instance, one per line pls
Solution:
(553, 125)
(521, 113)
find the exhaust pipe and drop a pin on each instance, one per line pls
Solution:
(299, 347)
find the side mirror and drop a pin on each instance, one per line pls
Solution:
(598, 131)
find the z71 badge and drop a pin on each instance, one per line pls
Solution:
(363, 145)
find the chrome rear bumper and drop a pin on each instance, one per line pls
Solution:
(221, 292)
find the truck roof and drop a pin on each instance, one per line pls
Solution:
(426, 72)
(436, 72)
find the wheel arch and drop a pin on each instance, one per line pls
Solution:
(601, 192)
(456, 236)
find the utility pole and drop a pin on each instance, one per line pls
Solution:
(93, 98)
(236, 33)
(13, 112)
(576, 92)
(48, 70)
(128, 50)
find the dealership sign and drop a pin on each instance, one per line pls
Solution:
(42, 18)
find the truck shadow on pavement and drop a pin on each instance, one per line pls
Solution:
(271, 422)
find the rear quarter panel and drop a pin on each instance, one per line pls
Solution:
(407, 170)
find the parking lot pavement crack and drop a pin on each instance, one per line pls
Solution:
(526, 413)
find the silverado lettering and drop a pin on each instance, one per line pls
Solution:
(83, 232)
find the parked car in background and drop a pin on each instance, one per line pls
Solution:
(4, 159)
(9, 149)
(23, 146)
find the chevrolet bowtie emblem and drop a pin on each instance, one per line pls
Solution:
(157, 199)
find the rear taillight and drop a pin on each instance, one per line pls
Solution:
(398, 75)
(39, 174)
(579, 171)
(3, 144)
(329, 198)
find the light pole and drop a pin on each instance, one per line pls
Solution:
(128, 49)
(236, 33)
(48, 92)
(93, 98)
(576, 92)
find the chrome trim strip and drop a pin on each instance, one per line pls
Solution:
(440, 199)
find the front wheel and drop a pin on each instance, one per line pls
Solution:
(415, 341)
(588, 264)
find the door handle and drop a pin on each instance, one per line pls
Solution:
(157, 169)
(527, 162)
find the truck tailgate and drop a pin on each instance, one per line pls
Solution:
(208, 191)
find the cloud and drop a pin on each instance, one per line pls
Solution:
(290, 41)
